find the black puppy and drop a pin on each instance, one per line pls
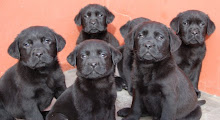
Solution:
(93, 95)
(29, 86)
(125, 65)
(94, 19)
(192, 26)
(160, 88)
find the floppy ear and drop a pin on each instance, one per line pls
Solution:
(116, 55)
(78, 19)
(60, 42)
(13, 49)
(124, 29)
(129, 39)
(174, 24)
(175, 41)
(109, 16)
(210, 26)
(71, 58)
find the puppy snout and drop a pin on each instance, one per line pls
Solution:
(93, 22)
(38, 52)
(195, 31)
(93, 64)
(149, 45)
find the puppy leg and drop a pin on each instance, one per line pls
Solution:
(31, 111)
(136, 111)
(194, 115)
(195, 79)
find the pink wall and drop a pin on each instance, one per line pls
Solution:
(59, 15)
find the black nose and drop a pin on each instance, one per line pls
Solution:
(37, 52)
(195, 31)
(94, 64)
(148, 45)
(93, 22)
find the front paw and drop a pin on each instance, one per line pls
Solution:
(198, 93)
(123, 112)
(120, 84)
(130, 118)
(56, 116)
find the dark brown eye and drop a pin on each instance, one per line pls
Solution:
(100, 15)
(26, 44)
(160, 37)
(202, 24)
(140, 36)
(185, 23)
(46, 41)
(103, 55)
(83, 56)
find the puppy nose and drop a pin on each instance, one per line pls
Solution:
(93, 22)
(94, 64)
(37, 52)
(148, 45)
(195, 31)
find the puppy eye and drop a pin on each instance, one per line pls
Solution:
(83, 56)
(140, 36)
(86, 16)
(46, 41)
(100, 15)
(185, 23)
(160, 37)
(103, 55)
(26, 44)
(202, 24)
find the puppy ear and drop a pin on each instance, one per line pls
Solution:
(174, 24)
(124, 29)
(109, 16)
(175, 41)
(13, 49)
(116, 55)
(71, 58)
(78, 18)
(210, 26)
(60, 42)
(129, 39)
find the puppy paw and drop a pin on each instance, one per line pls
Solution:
(120, 84)
(198, 93)
(123, 112)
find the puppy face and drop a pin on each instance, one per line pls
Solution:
(192, 26)
(94, 59)
(94, 18)
(152, 41)
(36, 47)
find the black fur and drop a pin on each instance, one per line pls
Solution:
(93, 95)
(192, 27)
(161, 89)
(29, 86)
(94, 19)
(124, 66)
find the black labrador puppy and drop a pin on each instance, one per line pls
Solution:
(161, 89)
(29, 86)
(192, 27)
(94, 19)
(93, 95)
(125, 65)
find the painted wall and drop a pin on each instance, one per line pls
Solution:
(16, 15)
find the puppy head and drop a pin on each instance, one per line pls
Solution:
(152, 41)
(192, 26)
(126, 28)
(94, 59)
(36, 46)
(94, 18)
